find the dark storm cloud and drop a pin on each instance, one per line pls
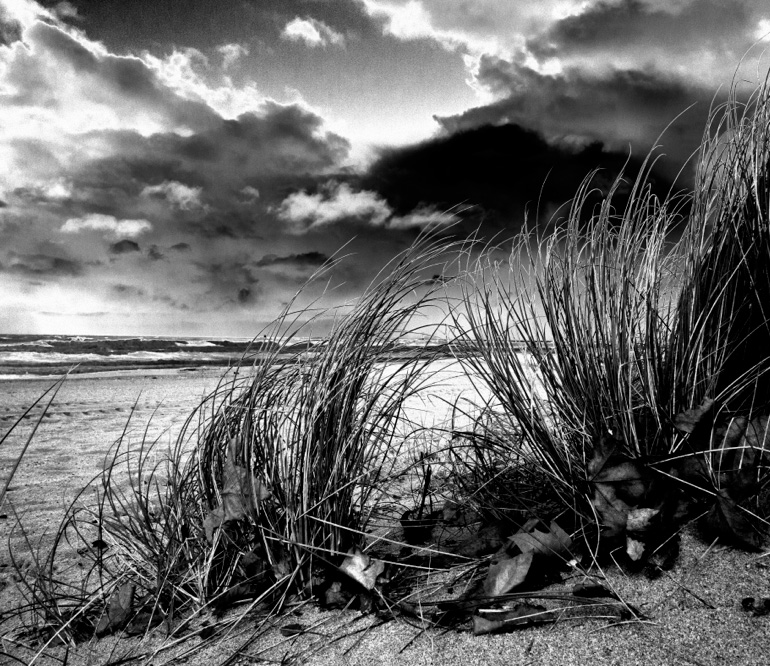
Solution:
(301, 260)
(42, 266)
(180, 247)
(498, 171)
(621, 108)
(723, 26)
(124, 246)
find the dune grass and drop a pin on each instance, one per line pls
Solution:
(595, 338)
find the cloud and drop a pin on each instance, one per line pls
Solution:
(701, 40)
(127, 290)
(124, 246)
(99, 222)
(336, 202)
(10, 28)
(42, 266)
(58, 81)
(228, 283)
(244, 295)
(495, 173)
(231, 53)
(312, 32)
(154, 253)
(161, 170)
(626, 68)
(55, 190)
(302, 260)
(477, 27)
(619, 107)
(422, 216)
(66, 10)
(177, 194)
(250, 194)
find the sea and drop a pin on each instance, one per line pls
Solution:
(34, 355)
(30, 356)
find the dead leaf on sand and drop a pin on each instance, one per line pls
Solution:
(550, 542)
(729, 519)
(119, 610)
(506, 573)
(362, 568)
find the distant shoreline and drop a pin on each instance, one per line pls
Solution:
(11, 370)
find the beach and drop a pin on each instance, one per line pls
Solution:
(692, 615)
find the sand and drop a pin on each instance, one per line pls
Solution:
(694, 613)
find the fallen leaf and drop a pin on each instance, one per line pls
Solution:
(739, 448)
(237, 488)
(362, 568)
(214, 519)
(728, 519)
(119, 610)
(506, 573)
(635, 549)
(612, 511)
(144, 621)
(520, 616)
(639, 520)
(619, 484)
(627, 477)
(552, 542)
(689, 419)
(336, 596)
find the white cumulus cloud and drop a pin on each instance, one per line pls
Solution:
(338, 202)
(178, 194)
(108, 223)
(312, 32)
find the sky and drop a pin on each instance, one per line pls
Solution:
(182, 167)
